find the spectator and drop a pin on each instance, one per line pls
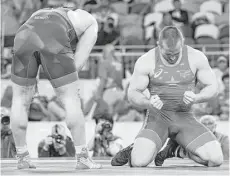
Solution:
(44, 4)
(166, 21)
(222, 67)
(9, 25)
(8, 149)
(7, 97)
(38, 110)
(110, 73)
(108, 33)
(101, 106)
(179, 16)
(224, 108)
(70, 4)
(56, 108)
(210, 123)
(201, 18)
(7, 73)
(58, 144)
(90, 5)
(28, 7)
(104, 142)
(124, 111)
(225, 79)
(224, 100)
(104, 11)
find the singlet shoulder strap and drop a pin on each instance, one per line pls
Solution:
(157, 55)
(63, 12)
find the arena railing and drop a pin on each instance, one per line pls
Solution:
(202, 47)
(129, 54)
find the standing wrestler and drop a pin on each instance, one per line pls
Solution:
(60, 40)
(170, 72)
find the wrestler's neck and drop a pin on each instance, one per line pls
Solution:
(170, 62)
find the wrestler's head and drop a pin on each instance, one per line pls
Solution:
(170, 43)
(209, 121)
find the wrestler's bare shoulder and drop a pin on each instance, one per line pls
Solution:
(81, 20)
(146, 61)
(196, 56)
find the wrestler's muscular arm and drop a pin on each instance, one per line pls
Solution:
(139, 82)
(86, 28)
(206, 76)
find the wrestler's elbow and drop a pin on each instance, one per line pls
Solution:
(92, 31)
(130, 94)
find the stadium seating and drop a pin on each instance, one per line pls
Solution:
(223, 19)
(189, 41)
(224, 36)
(132, 40)
(149, 21)
(207, 30)
(130, 19)
(120, 7)
(190, 7)
(138, 8)
(132, 31)
(204, 15)
(224, 31)
(187, 31)
(164, 6)
(226, 8)
(211, 6)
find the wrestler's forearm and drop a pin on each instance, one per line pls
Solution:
(138, 99)
(206, 94)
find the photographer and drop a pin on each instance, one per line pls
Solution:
(58, 144)
(8, 149)
(108, 33)
(210, 122)
(104, 142)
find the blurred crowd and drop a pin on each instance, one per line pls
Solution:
(134, 22)
(110, 95)
(127, 22)
(58, 144)
(121, 22)
(102, 144)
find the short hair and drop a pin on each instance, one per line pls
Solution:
(226, 75)
(208, 118)
(172, 35)
(176, 1)
(58, 129)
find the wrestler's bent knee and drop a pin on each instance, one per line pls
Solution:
(139, 160)
(143, 152)
(212, 153)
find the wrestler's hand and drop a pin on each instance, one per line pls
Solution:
(189, 97)
(156, 102)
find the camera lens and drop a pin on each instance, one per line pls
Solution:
(110, 25)
(59, 138)
(5, 120)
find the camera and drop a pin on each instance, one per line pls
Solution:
(106, 125)
(58, 138)
(5, 120)
(111, 25)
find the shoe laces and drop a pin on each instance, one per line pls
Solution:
(85, 159)
(24, 158)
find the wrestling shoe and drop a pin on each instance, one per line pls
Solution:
(24, 161)
(85, 162)
(122, 157)
(167, 152)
